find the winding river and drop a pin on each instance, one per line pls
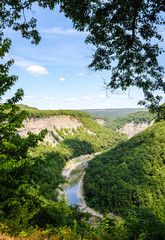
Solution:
(74, 172)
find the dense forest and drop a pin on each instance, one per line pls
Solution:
(31, 208)
(130, 175)
(31, 176)
(36, 113)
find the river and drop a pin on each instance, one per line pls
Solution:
(72, 195)
(74, 172)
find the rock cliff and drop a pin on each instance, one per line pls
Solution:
(132, 129)
(35, 125)
(100, 121)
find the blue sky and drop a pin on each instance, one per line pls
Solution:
(54, 74)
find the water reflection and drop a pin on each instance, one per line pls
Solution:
(71, 194)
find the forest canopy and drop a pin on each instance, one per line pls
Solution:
(130, 175)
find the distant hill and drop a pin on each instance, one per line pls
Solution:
(26, 107)
(113, 112)
(130, 175)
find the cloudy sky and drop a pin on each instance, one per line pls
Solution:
(54, 74)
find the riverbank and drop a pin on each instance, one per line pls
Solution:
(74, 173)
(76, 162)
(83, 206)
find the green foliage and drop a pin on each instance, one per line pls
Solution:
(124, 33)
(142, 224)
(138, 117)
(106, 119)
(161, 114)
(99, 137)
(12, 15)
(36, 113)
(28, 182)
(138, 225)
(132, 174)
(17, 169)
(88, 138)
(56, 137)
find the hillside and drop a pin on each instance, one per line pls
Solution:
(70, 130)
(130, 124)
(136, 118)
(31, 178)
(132, 128)
(130, 175)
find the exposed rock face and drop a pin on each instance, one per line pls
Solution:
(100, 121)
(35, 125)
(132, 129)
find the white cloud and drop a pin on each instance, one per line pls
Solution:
(35, 69)
(21, 62)
(60, 31)
(102, 96)
(49, 98)
(79, 74)
(71, 99)
(86, 98)
(62, 79)
(29, 98)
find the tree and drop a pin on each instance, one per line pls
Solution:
(17, 168)
(161, 114)
(126, 36)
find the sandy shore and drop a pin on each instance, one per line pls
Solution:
(82, 206)
(75, 162)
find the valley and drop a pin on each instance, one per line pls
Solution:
(98, 168)
(74, 172)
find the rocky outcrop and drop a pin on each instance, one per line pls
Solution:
(132, 129)
(100, 121)
(35, 125)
